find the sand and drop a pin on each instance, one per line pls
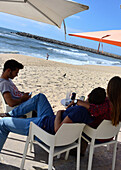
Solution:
(47, 77)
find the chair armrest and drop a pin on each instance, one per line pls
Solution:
(89, 131)
(45, 137)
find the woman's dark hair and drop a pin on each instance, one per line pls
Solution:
(114, 94)
(97, 96)
(13, 65)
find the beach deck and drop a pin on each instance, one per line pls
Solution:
(37, 160)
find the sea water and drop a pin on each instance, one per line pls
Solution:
(12, 43)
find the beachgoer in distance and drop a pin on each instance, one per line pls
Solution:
(51, 123)
(47, 57)
(10, 92)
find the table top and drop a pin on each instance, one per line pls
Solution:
(65, 102)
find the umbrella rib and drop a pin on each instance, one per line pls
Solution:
(43, 13)
(34, 8)
(13, 1)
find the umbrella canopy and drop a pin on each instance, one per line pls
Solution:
(112, 37)
(48, 11)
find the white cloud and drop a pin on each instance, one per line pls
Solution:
(73, 30)
(36, 22)
(23, 24)
(75, 16)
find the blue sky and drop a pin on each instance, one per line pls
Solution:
(102, 15)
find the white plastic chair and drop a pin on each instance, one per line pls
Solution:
(62, 141)
(104, 131)
(7, 108)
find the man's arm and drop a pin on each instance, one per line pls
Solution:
(14, 102)
(85, 104)
(95, 110)
(58, 121)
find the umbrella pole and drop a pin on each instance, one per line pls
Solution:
(64, 28)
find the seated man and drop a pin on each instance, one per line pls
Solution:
(96, 97)
(10, 92)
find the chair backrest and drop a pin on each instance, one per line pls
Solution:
(68, 133)
(6, 108)
(106, 130)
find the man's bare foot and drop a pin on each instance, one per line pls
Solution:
(4, 115)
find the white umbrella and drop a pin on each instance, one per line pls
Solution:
(48, 11)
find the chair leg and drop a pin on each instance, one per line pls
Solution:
(25, 152)
(114, 156)
(91, 151)
(67, 154)
(108, 147)
(50, 161)
(31, 142)
(78, 156)
(58, 156)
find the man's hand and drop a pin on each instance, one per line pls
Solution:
(25, 97)
(71, 104)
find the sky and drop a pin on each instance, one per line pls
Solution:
(102, 15)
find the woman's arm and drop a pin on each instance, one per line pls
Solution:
(58, 121)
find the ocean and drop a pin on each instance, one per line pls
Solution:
(12, 43)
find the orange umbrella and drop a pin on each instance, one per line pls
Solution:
(112, 37)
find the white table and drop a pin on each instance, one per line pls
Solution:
(65, 102)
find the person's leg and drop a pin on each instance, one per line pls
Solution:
(38, 103)
(84, 145)
(15, 125)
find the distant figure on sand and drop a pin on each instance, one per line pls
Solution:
(47, 56)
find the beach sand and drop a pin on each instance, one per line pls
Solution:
(47, 77)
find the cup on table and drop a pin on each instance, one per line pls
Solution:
(68, 94)
(68, 99)
(82, 98)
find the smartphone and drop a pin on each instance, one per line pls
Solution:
(30, 93)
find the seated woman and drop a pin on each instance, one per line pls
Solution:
(110, 109)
